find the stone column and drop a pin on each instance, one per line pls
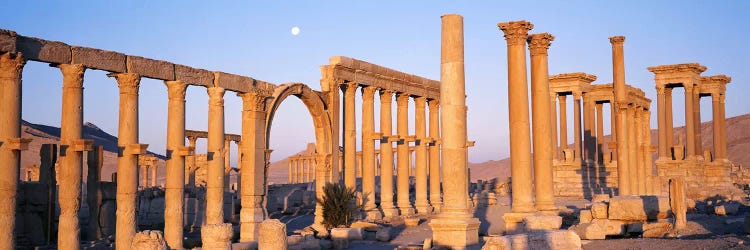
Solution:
(577, 140)
(436, 199)
(600, 133)
(639, 171)
(723, 128)
(621, 133)
(518, 101)
(668, 116)
(127, 164)
(175, 165)
(192, 204)
(71, 154)
(11, 68)
(227, 165)
(662, 120)
(563, 122)
(94, 194)
(253, 150)
(646, 154)
(215, 158)
(153, 167)
(350, 136)
(454, 227)
(402, 149)
(553, 119)
(289, 172)
(386, 154)
(421, 203)
(633, 118)
(368, 152)
(677, 199)
(715, 112)
(613, 128)
(690, 121)
(143, 176)
(542, 128)
(697, 122)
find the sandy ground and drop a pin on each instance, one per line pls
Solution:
(703, 231)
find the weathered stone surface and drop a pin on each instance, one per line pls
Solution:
(599, 210)
(42, 50)
(340, 238)
(272, 235)
(349, 233)
(194, 76)
(585, 216)
(151, 68)
(252, 245)
(610, 227)
(411, 222)
(367, 226)
(589, 231)
(218, 236)
(638, 208)
(656, 229)
(7, 41)
(99, 59)
(729, 208)
(558, 239)
(384, 234)
(600, 198)
(148, 240)
(233, 82)
(538, 222)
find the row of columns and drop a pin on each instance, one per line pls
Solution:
(301, 169)
(148, 166)
(386, 137)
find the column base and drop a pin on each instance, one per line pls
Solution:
(423, 208)
(373, 214)
(456, 233)
(406, 211)
(390, 212)
(514, 222)
(546, 207)
(436, 207)
(529, 208)
(249, 231)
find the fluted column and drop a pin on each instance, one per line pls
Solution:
(662, 120)
(553, 120)
(542, 127)
(253, 163)
(436, 199)
(621, 102)
(577, 140)
(402, 149)
(368, 152)
(386, 154)
(563, 122)
(71, 153)
(215, 173)
(127, 164)
(175, 165)
(421, 203)
(669, 122)
(350, 136)
(600, 133)
(454, 227)
(613, 128)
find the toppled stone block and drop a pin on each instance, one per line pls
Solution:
(599, 210)
(538, 222)
(148, 240)
(725, 209)
(557, 239)
(656, 229)
(340, 238)
(349, 233)
(638, 208)
(367, 226)
(294, 239)
(272, 235)
(383, 234)
(589, 231)
(585, 216)
(610, 227)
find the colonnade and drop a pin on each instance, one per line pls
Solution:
(148, 166)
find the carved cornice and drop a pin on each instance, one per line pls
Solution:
(176, 90)
(539, 43)
(616, 39)
(573, 76)
(128, 82)
(11, 66)
(216, 96)
(254, 100)
(676, 68)
(72, 75)
(515, 32)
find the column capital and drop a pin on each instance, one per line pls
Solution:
(128, 82)
(515, 31)
(402, 99)
(616, 39)
(562, 98)
(176, 90)
(660, 89)
(216, 96)
(349, 88)
(539, 43)
(255, 100)
(420, 100)
(433, 103)
(386, 95)
(577, 96)
(368, 92)
(192, 139)
(11, 65)
(72, 75)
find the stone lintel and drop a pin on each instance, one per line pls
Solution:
(7, 41)
(204, 134)
(571, 82)
(151, 68)
(677, 74)
(79, 145)
(714, 84)
(184, 151)
(99, 59)
(366, 73)
(409, 138)
(36, 49)
(236, 83)
(136, 149)
(193, 76)
(20, 144)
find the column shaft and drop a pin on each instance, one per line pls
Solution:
(621, 104)
(386, 155)
(577, 140)
(421, 203)
(563, 122)
(11, 68)
(669, 122)
(646, 154)
(127, 164)
(215, 158)
(402, 149)
(350, 136)
(436, 199)
(600, 134)
(153, 169)
(723, 127)
(662, 120)
(697, 122)
(553, 119)
(175, 165)
(227, 167)
(690, 121)
(588, 131)
(253, 163)
(542, 126)
(638, 175)
(368, 152)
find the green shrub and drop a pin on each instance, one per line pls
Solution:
(338, 205)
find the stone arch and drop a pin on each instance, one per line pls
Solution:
(316, 105)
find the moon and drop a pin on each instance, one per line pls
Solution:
(295, 30)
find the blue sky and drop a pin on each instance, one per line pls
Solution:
(254, 39)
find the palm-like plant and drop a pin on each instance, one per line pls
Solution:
(338, 205)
